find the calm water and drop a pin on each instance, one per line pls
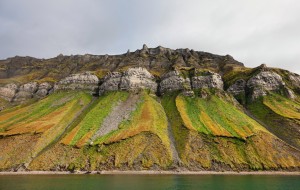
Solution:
(144, 182)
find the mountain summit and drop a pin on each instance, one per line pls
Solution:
(152, 109)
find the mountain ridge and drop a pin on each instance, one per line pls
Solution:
(191, 111)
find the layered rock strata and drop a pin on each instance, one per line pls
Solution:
(208, 80)
(82, 81)
(172, 81)
(130, 80)
(260, 84)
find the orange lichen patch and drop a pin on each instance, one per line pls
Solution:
(36, 126)
(43, 128)
(67, 139)
(216, 128)
(84, 140)
(7, 118)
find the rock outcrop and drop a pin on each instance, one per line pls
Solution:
(295, 79)
(237, 88)
(8, 92)
(263, 82)
(43, 90)
(138, 78)
(82, 81)
(172, 81)
(130, 80)
(207, 80)
(111, 82)
(26, 91)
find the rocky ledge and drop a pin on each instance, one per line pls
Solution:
(82, 81)
(131, 80)
(14, 93)
(262, 83)
(138, 78)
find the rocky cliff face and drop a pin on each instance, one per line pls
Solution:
(111, 82)
(237, 88)
(11, 92)
(83, 81)
(295, 79)
(130, 80)
(266, 80)
(156, 60)
(138, 78)
(172, 81)
(263, 82)
(208, 80)
(8, 92)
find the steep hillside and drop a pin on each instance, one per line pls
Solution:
(152, 109)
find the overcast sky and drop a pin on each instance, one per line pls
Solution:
(252, 31)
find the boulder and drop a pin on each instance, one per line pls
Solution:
(43, 90)
(207, 80)
(263, 82)
(111, 82)
(26, 91)
(82, 81)
(8, 92)
(172, 81)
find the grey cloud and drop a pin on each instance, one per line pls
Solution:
(254, 32)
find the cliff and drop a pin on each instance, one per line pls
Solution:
(154, 108)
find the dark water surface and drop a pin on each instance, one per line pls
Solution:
(145, 182)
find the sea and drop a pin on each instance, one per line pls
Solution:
(148, 182)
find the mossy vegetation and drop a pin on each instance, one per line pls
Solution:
(282, 105)
(279, 115)
(215, 116)
(40, 116)
(93, 119)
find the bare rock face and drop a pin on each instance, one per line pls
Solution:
(172, 81)
(26, 91)
(237, 88)
(130, 80)
(263, 82)
(111, 82)
(83, 81)
(289, 93)
(138, 78)
(295, 79)
(43, 90)
(209, 80)
(8, 92)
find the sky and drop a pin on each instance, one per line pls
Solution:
(252, 31)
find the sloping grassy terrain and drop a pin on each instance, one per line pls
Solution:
(141, 142)
(215, 116)
(42, 115)
(210, 134)
(148, 117)
(92, 121)
(282, 106)
(43, 121)
(280, 115)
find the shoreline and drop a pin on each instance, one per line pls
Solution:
(151, 172)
